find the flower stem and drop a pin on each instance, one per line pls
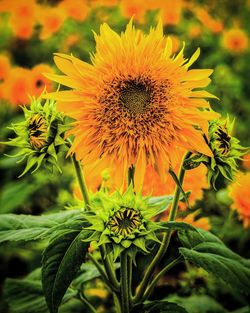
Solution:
(165, 241)
(102, 272)
(90, 307)
(158, 276)
(124, 282)
(109, 269)
(81, 181)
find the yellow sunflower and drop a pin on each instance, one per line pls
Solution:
(135, 104)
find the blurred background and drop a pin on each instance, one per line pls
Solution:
(31, 31)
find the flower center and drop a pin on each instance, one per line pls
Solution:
(223, 140)
(37, 128)
(125, 222)
(135, 97)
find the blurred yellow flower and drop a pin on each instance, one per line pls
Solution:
(77, 9)
(202, 222)
(195, 181)
(136, 105)
(39, 81)
(239, 191)
(246, 161)
(4, 67)
(51, 19)
(23, 17)
(235, 40)
(17, 86)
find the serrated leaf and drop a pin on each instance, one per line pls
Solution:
(14, 227)
(61, 262)
(26, 295)
(198, 304)
(179, 226)
(159, 307)
(15, 194)
(210, 253)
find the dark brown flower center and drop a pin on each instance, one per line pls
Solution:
(37, 128)
(223, 140)
(135, 97)
(124, 222)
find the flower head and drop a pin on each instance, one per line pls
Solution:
(136, 104)
(122, 222)
(239, 191)
(40, 136)
(235, 41)
(226, 152)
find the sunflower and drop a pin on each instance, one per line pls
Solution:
(135, 105)
(227, 151)
(39, 138)
(235, 40)
(123, 222)
(239, 191)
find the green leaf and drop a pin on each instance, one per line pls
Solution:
(160, 203)
(210, 253)
(15, 194)
(159, 307)
(88, 273)
(198, 304)
(179, 226)
(61, 262)
(15, 227)
(26, 295)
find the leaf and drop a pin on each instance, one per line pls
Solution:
(159, 307)
(61, 262)
(198, 304)
(89, 272)
(160, 203)
(14, 227)
(15, 194)
(179, 226)
(210, 253)
(23, 295)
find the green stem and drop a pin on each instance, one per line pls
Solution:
(109, 269)
(81, 181)
(124, 282)
(90, 307)
(117, 303)
(158, 276)
(165, 241)
(101, 271)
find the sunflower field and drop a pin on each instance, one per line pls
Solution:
(125, 156)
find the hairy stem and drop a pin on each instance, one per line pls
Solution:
(165, 241)
(109, 269)
(81, 181)
(158, 276)
(124, 282)
(89, 306)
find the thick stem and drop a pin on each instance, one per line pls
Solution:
(109, 269)
(81, 181)
(117, 303)
(102, 272)
(158, 276)
(165, 241)
(124, 282)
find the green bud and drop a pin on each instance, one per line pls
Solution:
(122, 222)
(40, 137)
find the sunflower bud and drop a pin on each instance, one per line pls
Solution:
(122, 222)
(226, 152)
(40, 136)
